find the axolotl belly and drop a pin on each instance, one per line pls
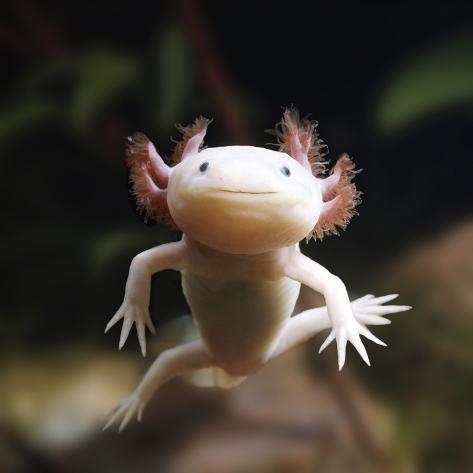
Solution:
(239, 319)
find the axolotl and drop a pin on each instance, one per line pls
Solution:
(243, 211)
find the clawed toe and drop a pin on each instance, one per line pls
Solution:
(125, 411)
(132, 314)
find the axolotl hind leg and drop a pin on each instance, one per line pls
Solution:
(169, 364)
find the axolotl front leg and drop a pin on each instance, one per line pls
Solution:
(135, 310)
(367, 310)
(135, 306)
(344, 325)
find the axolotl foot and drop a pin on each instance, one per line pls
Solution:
(126, 410)
(367, 310)
(132, 314)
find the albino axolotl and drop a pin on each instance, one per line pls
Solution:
(243, 211)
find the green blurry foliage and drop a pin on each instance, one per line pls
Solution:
(175, 77)
(20, 119)
(110, 246)
(45, 75)
(62, 124)
(436, 79)
(94, 81)
(101, 77)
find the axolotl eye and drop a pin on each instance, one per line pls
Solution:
(285, 171)
(204, 166)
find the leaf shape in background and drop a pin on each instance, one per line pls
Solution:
(101, 77)
(174, 76)
(109, 247)
(437, 79)
(18, 119)
(48, 74)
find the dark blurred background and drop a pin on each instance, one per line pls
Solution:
(390, 83)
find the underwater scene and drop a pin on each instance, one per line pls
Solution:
(88, 89)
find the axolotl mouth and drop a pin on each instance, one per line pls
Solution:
(246, 192)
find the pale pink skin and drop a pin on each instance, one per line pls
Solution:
(242, 219)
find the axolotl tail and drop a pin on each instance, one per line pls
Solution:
(181, 330)
(213, 377)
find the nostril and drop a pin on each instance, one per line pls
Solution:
(204, 166)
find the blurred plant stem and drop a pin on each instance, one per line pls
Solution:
(39, 35)
(213, 72)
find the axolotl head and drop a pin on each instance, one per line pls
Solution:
(245, 199)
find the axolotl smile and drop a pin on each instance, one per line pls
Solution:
(244, 192)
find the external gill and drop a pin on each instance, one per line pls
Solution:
(340, 199)
(149, 176)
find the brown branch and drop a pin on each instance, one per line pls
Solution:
(36, 35)
(12, 41)
(46, 36)
(212, 70)
(359, 427)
